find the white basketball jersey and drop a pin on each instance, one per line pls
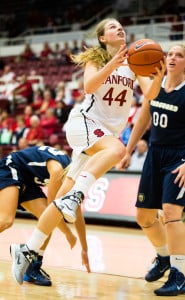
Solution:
(110, 104)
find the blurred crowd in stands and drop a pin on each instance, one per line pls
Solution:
(34, 111)
(35, 94)
(18, 16)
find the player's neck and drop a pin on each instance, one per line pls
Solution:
(172, 82)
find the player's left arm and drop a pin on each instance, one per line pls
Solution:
(55, 171)
(138, 130)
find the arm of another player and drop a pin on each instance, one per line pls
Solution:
(80, 228)
(136, 134)
(55, 171)
(79, 224)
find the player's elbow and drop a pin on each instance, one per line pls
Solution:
(88, 90)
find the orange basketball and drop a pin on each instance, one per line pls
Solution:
(143, 56)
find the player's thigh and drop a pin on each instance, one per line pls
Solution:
(35, 206)
(9, 201)
(110, 142)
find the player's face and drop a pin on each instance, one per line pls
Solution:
(175, 60)
(114, 33)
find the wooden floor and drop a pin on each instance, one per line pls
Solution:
(119, 258)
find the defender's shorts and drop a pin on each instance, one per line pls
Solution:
(157, 181)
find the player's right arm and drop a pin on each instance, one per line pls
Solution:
(81, 230)
(94, 77)
(138, 130)
(79, 224)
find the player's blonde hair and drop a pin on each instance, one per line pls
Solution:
(98, 54)
(179, 45)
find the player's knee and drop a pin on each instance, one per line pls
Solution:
(171, 212)
(118, 153)
(145, 221)
(5, 223)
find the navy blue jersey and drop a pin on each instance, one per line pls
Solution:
(27, 170)
(31, 162)
(166, 151)
(168, 117)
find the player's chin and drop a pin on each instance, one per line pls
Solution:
(170, 68)
(120, 42)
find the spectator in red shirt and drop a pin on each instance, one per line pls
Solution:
(27, 54)
(28, 112)
(6, 121)
(48, 101)
(48, 122)
(35, 133)
(23, 93)
(38, 99)
(46, 52)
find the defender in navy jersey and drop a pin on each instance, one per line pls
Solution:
(30, 168)
(22, 174)
(162, 184)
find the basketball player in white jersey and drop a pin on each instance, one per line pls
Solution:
(93, 128)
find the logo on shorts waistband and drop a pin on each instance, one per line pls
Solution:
(141, 197)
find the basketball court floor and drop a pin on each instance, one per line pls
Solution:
(119, 258)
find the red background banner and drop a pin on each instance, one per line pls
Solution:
(113, 195)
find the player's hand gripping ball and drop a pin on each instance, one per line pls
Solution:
(144, 55)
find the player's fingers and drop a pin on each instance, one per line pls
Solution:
(176, 179)
(181, 183)
(175, 170)
(85, 262)
(88, 268)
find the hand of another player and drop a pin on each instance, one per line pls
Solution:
(124, 163)
(85, 260)
(160, 71)
(180, 178)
